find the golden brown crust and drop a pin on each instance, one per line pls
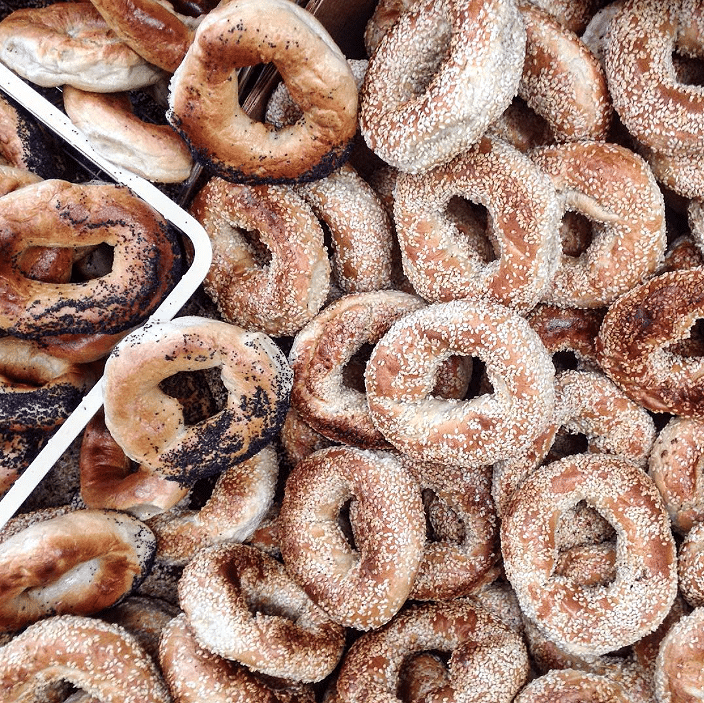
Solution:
(107, 120)
(69, 42)
(204, 104)
(365, 586)
(75, 563)
(109, 481)
(591, 620)
(58, 213)
(633, 341)
(277, 292)
(151, 28)
(243, 605)
(149, 425)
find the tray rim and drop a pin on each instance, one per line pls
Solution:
(54, 119)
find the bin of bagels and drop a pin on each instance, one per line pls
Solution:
(351, 351)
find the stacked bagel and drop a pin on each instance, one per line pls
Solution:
(433, 426)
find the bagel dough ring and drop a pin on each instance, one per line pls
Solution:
(591, 620)
(204, 106)
(153, 151)
(439, 77)
(77, 563)
(146, 259)
(475, 432)
(362, 587)
(487, 660)
(70, 43)
(277, 295)
(640, 327)
(660, 112)
(524, 216)
(102, 659)
(242, 604)
(149, 425)
(615, 190)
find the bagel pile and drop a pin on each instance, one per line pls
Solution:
(432, 427)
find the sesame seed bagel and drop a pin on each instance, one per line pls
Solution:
(242, 604)
(633, 346)
(615, 190)
(591, 620)
(474, 432)
(565, 685)
(194, 674)
(438, 78)
(443, 264)
(659, 111)
(562, 80)
(149, 425)
(100, 658)
(487, 661)
(242, 496)
(362, 587)
(276, 292)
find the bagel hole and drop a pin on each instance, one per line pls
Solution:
(576, 234)
(565, 360)
(582, 525)
(689, 70)
(479, 383)
(201, 393)
(473, 222)
(92, 262)
(252, 240)
(420, 673)
(353, 370)
(344, 522)
(442, 522)
(693, 344)
(566, 444)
